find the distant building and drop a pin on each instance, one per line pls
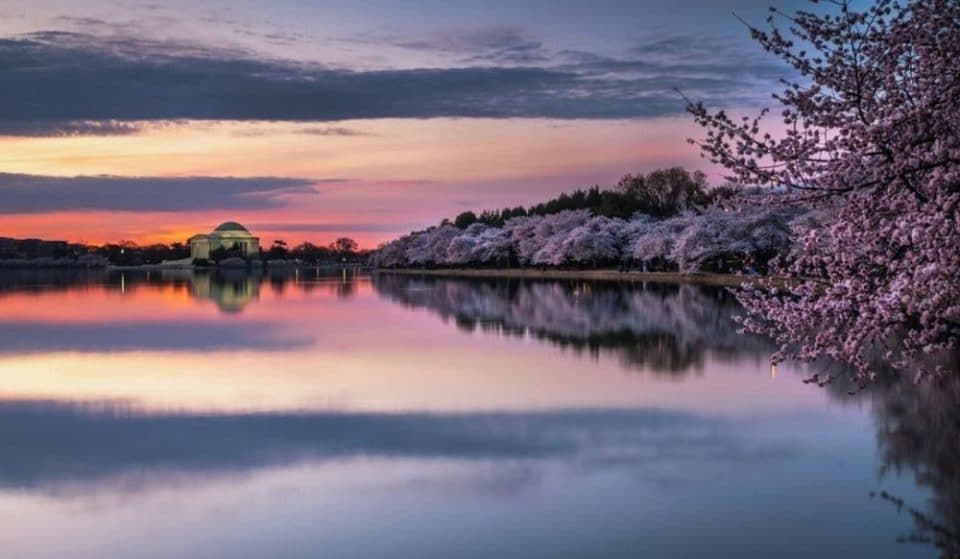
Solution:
(228, 236)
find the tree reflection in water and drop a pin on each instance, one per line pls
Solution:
(670, 329)
(918, 431)
(660, 328)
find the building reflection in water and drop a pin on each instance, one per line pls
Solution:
(662, 330)
(234, 290)
(231, 290)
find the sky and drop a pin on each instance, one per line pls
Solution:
(306, 121)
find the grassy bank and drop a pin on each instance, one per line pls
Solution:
(588, 275)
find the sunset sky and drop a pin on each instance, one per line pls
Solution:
(311, 120)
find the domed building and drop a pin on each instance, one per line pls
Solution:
(229, 236)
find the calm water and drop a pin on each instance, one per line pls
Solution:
(312, 415)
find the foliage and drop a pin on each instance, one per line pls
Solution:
(661, 193)
(278, 251)
(655, 239)
(464, 220)
(597, 240)
(344, 246)
(552, 232)
(722, 237)
(690, 241)
(872, 131)
(667, 191)
(128, 253)
(309, 252)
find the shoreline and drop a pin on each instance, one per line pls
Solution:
(699, 278)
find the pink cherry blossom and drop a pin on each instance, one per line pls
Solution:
(872, 134)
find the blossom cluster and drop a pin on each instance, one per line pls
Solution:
(872, 128)
(714, 239)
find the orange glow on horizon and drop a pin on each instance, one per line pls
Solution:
(398, 174)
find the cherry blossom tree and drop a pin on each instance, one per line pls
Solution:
(704, 239)
(657, 240)
(392, 254)
(437, 244)
(716, 237)
(630, 232)
(524, 232)
(479, 244)
(551, 233)
(575, 237)
(594, 242)
(463, 245)
(495, 246)
(872, 127)
(416, 247)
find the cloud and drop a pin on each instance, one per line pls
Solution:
(68, 128)
(688, 59)
(330, 131)
(21, 194)
(70, 77)
(492, 44)
(80, 21)
(472, 40)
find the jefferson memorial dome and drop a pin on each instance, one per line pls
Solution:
(229, 236)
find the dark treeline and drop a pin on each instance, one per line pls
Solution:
(45, 253)
(38, 252)
(659, 194)
(339, 250)
(343, 250)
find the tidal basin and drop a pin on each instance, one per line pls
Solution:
(308, 413)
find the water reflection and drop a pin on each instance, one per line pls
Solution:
(138, 336)
(60, 442)
(660, 328)
(98, 330)
(918, 431)
(174, 399)
(230, 290)
(670, 329)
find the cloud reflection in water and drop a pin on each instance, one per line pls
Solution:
(52, 443)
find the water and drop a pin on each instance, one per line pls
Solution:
(319, 414)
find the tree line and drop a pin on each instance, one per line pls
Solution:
(129, 253)
(661, 193)
(664, 220)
